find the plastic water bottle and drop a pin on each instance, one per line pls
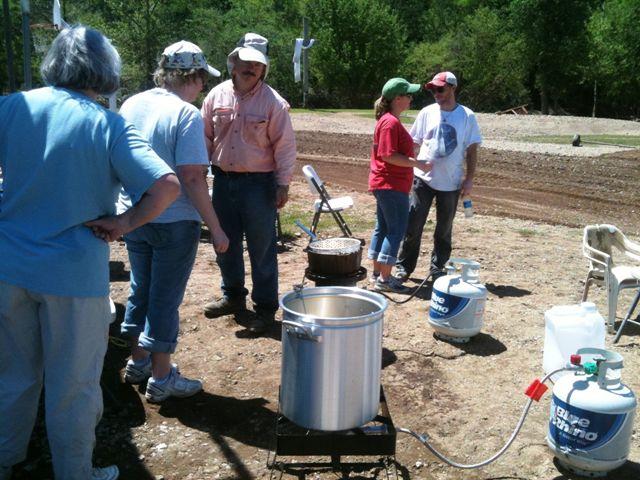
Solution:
(468, 207)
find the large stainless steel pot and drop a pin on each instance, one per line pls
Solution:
(335, 256)
(331, 357)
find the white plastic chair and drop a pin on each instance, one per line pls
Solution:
(326, 204)
(598, 244)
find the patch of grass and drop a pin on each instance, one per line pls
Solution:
(630, 140)
(528, 232)
(327, 226)
(407, 117)
(321, 111)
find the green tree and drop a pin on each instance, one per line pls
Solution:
(615, 57)
(489, 60)
(280, 21)
(483, 54)
(554, 36)
(360, 45)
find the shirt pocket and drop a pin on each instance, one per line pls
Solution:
(222, 117)
(254, 131)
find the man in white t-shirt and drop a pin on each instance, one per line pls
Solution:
(448, 137)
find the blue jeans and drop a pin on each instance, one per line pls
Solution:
(161, 257)
(392, 213)
(422, 196)
(246, 205)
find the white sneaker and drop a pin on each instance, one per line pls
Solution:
(135, 374)
(106, 473)
(374, 276)
(401, 275)
(392, 285)
(175, 386)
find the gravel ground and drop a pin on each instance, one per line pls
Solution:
(501, 132)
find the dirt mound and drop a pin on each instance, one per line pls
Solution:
(561, 190)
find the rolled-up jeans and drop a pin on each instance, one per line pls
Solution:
(161, 257)
(60, 341)
(392, 213)
(246, 206)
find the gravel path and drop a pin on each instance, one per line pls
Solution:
(501, 132)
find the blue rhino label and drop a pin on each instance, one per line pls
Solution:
(444, 305)
(579, 429)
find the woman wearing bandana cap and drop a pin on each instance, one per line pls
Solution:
(162, 253)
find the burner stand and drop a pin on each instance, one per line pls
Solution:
(376, 438)
(338, 280)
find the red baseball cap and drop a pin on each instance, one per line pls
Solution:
(441, 79)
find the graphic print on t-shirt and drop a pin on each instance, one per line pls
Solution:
(442, 140)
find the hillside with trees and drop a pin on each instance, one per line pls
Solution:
(558, 56)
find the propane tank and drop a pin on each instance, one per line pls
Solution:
(457, 301)
(592, 412)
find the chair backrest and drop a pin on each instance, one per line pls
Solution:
(599, 242)
(311, 176)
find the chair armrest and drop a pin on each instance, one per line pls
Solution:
(596, 256)
(632, 249)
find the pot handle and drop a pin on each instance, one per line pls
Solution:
(301, 331)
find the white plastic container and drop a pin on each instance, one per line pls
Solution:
(457, 302)
(112, 308)
(567, 329)
(591, 417)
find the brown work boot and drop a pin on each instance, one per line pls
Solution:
(224, 306)
(261, 322)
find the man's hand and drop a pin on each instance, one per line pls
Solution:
(466, 187)
(282, 196)
(219, 240)
(109, 229)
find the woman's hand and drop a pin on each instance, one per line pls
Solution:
(424, 166)
(109, 228)
(219, 240)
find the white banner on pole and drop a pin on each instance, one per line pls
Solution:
(297, 53)
(58, 21)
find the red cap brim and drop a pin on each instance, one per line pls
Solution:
(435, 83)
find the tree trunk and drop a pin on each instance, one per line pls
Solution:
(544, 101)
(7, 40)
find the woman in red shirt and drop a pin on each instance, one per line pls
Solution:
(390, 179)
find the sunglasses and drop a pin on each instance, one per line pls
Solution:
(439, 90)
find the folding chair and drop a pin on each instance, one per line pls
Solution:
(326, 204)
(598, 244)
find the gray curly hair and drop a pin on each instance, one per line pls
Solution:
(81, 58)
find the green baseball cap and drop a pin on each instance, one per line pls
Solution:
(398, 86)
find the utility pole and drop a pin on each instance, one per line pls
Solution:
(7, 40)
(26, 43)
(305, 61)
